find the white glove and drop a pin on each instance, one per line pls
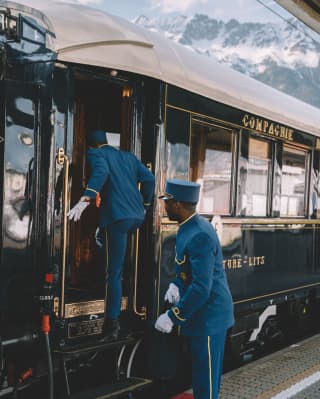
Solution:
(172, 295)
(98, 237)
(164, 323)
(76, 211)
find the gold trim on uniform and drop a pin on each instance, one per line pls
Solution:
(176, 312)
(187, 220)
(91, 189)
(180, 262)
(210, 371)
(183, 276)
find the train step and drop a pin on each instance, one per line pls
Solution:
(70, 352)
(67, 355)
(114, 390)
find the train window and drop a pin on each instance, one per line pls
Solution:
(32, 32)
(293, 182)
(211, 158)
(276, 189)
(254, 177)
(178, 150)
(315, 187)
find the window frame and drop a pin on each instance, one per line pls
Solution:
(244, 139)
(306, 195)
(234, 159)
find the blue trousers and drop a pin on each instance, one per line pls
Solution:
(116, 245)
(207, 360)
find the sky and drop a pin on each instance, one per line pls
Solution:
(242, 10)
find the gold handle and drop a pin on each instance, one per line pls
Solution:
(62, 159)
(60, 156)
(143, 311)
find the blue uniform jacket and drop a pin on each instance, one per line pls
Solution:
(205, 306)
(115, 175)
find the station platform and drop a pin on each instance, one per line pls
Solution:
(293, 372)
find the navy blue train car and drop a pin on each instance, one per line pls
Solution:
(66, 69)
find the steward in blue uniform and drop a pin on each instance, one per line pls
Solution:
(202, 302)
(114, 179)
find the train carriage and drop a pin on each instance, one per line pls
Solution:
(66, 69)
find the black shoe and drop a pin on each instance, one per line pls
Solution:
(110, 330)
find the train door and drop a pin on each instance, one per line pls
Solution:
(98, 105)
(19, 157)
(106, 105)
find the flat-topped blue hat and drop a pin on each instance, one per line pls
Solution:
(181, 190)
(98, 137)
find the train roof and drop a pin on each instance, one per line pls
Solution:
(89, 36)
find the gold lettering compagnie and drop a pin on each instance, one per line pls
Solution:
(267, 127)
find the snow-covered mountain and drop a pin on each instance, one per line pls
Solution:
(282, 55)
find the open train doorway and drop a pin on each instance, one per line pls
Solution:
(103, 105)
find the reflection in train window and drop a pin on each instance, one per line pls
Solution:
(211, 166)
(254, 178)
(293, 182)
(314, 203)
(178, 150)
(19, 155)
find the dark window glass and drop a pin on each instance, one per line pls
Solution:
(178, 150)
